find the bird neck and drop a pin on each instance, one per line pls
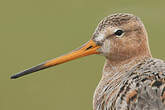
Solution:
(113, 74)
(113, 67)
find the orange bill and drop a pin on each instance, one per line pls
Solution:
(87, 49)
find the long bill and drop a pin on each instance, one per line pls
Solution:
(87, 49)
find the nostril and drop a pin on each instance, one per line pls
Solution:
(89, 47)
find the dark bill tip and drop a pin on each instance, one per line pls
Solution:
(28, 71)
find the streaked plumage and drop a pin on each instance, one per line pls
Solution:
(141, 87)
(132, 79)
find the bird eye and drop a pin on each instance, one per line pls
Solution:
(119, 33)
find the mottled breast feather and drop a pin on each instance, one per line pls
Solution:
(143, 88)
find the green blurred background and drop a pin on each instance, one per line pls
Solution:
(33, 31)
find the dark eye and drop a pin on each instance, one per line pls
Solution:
(119, 32)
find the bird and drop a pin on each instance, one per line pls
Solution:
(131, 79)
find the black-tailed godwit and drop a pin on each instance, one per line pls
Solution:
(132, 79)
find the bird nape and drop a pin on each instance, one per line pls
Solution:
(132, 79)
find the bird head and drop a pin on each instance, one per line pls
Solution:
(117, 37)
(121, 36)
